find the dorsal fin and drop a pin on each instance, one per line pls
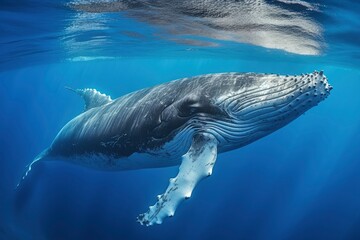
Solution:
(92, 97)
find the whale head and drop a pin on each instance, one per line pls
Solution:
(259, 104)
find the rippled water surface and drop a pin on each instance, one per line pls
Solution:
(35, 31)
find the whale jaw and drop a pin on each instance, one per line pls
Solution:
(269, 103)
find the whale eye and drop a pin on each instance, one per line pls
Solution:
(188, 109)
(189, 106)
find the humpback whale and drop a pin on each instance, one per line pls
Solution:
(185, 122)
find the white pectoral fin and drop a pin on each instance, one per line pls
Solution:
(196, 164)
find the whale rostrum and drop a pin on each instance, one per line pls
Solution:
(185, 122)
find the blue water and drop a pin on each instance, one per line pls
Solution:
(301, 182)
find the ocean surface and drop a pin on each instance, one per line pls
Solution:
(302, 182)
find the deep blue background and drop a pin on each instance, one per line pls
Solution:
(301, 182)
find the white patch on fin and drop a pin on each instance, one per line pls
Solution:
(196, 164)
(92, 97)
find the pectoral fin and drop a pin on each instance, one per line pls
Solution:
(196, 164)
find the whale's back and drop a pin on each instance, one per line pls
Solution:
(143, 120)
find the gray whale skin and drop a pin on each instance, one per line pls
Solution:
(185, 122)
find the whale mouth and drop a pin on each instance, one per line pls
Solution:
(270, 104)
(280, 97)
